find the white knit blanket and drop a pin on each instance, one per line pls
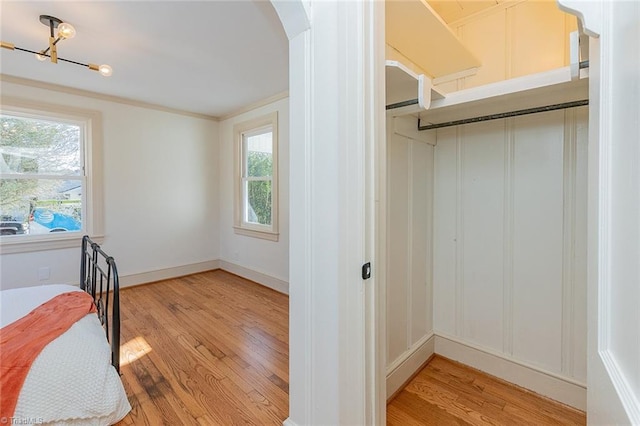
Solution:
(72, 381)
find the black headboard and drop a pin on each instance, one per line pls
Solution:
(99, 278)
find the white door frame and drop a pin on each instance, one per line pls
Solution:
(336, 89)
(613, 278)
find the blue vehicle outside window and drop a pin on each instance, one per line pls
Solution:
(55, 221)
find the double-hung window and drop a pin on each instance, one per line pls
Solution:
(48, 195)
(256, 204)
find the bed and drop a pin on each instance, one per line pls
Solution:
(73, 338)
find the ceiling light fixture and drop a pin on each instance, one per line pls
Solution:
(64, 31)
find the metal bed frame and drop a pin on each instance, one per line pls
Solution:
(99, 278)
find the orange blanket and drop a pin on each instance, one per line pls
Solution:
(22, 341)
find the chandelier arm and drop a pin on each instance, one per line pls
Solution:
(73, 62)
(31, 51)
(48, 56)
(54, 51)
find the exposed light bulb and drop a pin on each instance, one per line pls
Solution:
(66, 30)
(105, 70)
(41, 57)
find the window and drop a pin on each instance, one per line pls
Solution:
(49, 185)
(256, 187)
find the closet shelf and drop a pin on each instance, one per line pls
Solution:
(410, 93)
(415, 30)
(532, 91)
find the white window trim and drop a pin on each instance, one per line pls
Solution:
(93, 221)
(240, 227)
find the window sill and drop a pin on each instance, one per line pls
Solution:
(265, 235)
(19, 244)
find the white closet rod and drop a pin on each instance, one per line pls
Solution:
(498, 116)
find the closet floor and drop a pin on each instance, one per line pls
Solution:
(446, 392)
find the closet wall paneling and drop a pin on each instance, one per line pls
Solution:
(514, 39)
(409, 276)
(481, 237)
(510, 240)
(538, 239)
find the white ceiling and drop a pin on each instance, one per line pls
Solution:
(207, 57)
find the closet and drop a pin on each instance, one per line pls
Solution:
(487, 130)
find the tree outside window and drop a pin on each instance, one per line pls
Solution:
(258, 178)
(50, 175)
(41, 175)
(256, 171)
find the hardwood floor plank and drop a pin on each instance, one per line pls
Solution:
(259, 381)
(513, 395)
(473, 397)
(425, 413)
(468, 390)
(232, 333)
(215, 343)
(397, 416)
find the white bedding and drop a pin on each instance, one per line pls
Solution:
(72, 381)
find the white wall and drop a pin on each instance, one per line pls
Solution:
(409, 253)
(510, 239)
(266, 262)
(160, 194)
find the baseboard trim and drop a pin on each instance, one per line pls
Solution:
(566, 391)
(409, 363)
(253, 275)
(167, 273)
(289, 422)
(194, 268)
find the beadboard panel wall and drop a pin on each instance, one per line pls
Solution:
(514, 39)
(509, 239)
(409, 224)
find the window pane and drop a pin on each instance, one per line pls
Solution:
(258, 202)
(259, 155)
(37, 146)
(40, 206)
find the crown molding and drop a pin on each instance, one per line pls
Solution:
(109, 98)
(256, 105)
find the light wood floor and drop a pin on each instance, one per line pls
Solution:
(218, 352)
(212, 349)
(448, 393)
